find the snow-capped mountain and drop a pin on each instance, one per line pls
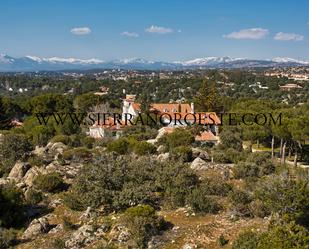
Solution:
(34, 63)
(208, 61)
(289, 60)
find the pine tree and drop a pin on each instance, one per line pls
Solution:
(207, 97)
(4, 119)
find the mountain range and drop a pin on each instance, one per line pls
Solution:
(33, 63)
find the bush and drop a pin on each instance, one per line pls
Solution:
(144, 148)
(7, 237)
(241, 200)
(288, 236)
(246, 240)
(40, 134)
(220, 156)
(58, 243)
(183, 153)
(121, 146)
(13, 147)
(222, 241)
(143, 223)
(61, 139)
(216, 186)
(51, 182)
(201, 203)
(258, 209)
(88, 142)
(33, 196)
(11, 208)
(80, 153)
(286, 197)
(231, 139)
(117, 182)
(179, 137)
(140, 132)
(35, 160)
(256, 165)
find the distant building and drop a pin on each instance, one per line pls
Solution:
(207, 137)
(173, 114)
(289, 87)
(103, 91)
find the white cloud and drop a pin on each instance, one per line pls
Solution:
(81, 31)
(129, 34)
(253, 33)
(288, 37)
(159, 30)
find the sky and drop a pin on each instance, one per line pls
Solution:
(168, 30)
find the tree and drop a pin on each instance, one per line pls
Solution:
(207, 97)
(13, 147)
(4, 119)
(145, 103)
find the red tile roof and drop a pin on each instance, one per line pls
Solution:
(206, 136)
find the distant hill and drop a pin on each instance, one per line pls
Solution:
(33, 63)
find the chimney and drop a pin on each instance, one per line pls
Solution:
(192, 107)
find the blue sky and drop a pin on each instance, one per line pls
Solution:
(158, 30)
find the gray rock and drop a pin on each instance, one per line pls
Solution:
(56, 147)
(32, 174)
(56, 229)
(198, 152)
(36, 227)
(161, 149)
(4, 181)
(198, 164)
(189, 246)
(163, 157)
(83, 236)
(19, 170)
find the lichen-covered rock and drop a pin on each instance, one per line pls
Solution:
(81, 237)
(198, 164)
(36, 227)
(19, 170)
(32, 174)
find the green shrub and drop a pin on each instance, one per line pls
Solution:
(88, 142)
(80, 153)
(121, 146)
(33, 196)
(231, 139)
(179, 137)
(241, 200)
(51, 182)
(201, 203)
(216, 186)
(222, 241)
(246, 240)
(61, 139)
(220, 156)
(12, 206)
(144, 148)
(287, 236)
(117, 182)
(7, 237)
(40, 134)
(143, 223)
(183, 153)
(35, 160)
(13, 147)
(284, 196)
(67, 224)
(256, 165)
(58, 243)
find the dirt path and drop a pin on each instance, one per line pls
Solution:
(204, 231)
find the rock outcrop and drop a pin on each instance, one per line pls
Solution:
(36, 227)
